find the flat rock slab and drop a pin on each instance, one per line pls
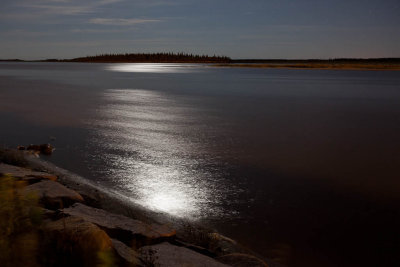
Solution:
(54, 195)
(126, 253)
(121, 226)
(224, 245)
(242, 260)
(25, 174)
(166, 255)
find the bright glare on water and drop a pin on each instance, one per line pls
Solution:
(152, 67)
(159, 176)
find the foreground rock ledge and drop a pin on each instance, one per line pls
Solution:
(118, 225)
(54, 195)
(167, 255)
(242, 260)
(126, 253)
(76, 235)
(25, 174)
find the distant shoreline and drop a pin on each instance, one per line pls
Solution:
(391, 64)
(319, 66)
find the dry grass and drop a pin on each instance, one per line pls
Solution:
(20, 217)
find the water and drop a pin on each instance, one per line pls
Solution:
(300, 165)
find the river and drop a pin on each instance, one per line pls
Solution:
(302, 166)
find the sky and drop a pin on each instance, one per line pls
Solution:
(292, 29)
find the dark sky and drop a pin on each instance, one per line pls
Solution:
(36, 29)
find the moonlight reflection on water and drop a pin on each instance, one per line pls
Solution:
(159, 174)
(152, 67)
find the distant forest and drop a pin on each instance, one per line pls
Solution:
(190, 58)
(150, 58)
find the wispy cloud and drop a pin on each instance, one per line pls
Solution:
(67, 7)
(60, 9)
(26, 33)
(99, 30)
(121, 22)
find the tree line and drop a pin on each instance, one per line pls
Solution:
(153, 57)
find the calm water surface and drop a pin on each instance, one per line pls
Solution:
(300, 165)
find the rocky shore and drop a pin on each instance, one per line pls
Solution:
(50, 217)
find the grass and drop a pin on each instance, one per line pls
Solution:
(20, 218)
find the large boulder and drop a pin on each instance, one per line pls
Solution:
(73, 241)
(166, 255)
(54, 195)
(242, 260)
(122, 227)
(25, 174)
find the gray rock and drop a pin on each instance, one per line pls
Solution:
(54, 195)
(126, 253)
(242, 260)
(25, 174)
(166, 255)
(122, 227)
(222, 245)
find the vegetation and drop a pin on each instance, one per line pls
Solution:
(150, 58)
(20, 218)
(336, 63)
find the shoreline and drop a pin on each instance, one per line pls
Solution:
(360, 65)
(190, 237)
(372, 64)
(314, 66)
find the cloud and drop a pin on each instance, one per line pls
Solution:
(26, 33)
(121, 22)
(61, 9)
(67, 7)
(99, 30)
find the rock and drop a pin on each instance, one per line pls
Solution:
(49, 213)
(75, 242)
(54, 195)
(124, 228)
(45, 149)
(242, 260)
(126, 253)
(222, 245)
(193, 247)
(33, 147)
(167, 255)
(25, 174)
